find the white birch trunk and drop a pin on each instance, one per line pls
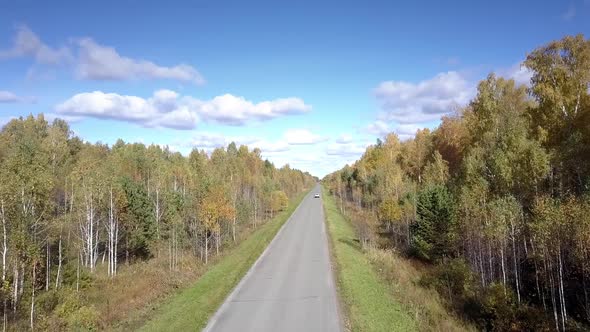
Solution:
(33, 299)
(48, 266)
(514, 258)
(4, 241)
(59, 254)
(206, 248)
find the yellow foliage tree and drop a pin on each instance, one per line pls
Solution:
(214, 209)
(279, 200)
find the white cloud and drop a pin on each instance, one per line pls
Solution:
(570, 13)
(208, 141)
(320, 160)
(94, 61)
(344, 138)
(519, 73)
(11, 97)
(425, 101)
(233, 110)
(8, 97)
(347, 149)
(314, 160)
(98, 62)
(406, 131)
(27, 43)
(378, 128)
(270, 147)
(70, 119)
(168, 109)
(302, 137)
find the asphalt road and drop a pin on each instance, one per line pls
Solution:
(291, 286)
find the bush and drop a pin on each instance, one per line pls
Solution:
(453, 280)
(46, 302)
(73, 315)
(491, 308)
(83, 319)
(494, 309)
(70, 276)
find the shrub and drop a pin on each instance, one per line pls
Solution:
(453, 280)
(71, 274)
(83, 319)
(498, 308)
(73, 315)
(46, 302)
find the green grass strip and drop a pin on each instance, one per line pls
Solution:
(366, 296)
(191, 309)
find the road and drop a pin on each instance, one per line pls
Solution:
(291, 286)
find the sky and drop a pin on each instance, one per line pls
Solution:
(309, 83)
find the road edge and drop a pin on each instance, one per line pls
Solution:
(213, 320)
(342, 316)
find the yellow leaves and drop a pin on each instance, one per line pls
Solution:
(450, 139)
(215, 208)
(279, 200)
(390, 211)
(436, 171)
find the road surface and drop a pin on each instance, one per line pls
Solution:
(290, 287)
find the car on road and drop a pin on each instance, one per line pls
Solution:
(316, 196)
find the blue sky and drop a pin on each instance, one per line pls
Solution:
(309, 83)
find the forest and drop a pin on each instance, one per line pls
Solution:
(496, 199)
(71, 210)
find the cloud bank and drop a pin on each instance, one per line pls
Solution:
(425, 101)
(166, 108)
(92, 61)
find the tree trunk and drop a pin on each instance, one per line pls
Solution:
(4, 316)
(217, 236)
(115, 252)
(514, 258)
(233, 227)
(255, 210)
(561, 291)
(4, 241)
(33, 298)
(59, 262)
(552, 290)
(78, 274)
(540, 294)
(158, 212)
(48, 268)
(503, 268)
(170, 254)
(15, 282)
(206, 248)
(233, 230)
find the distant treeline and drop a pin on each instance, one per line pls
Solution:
(496, 197)
(68, 207)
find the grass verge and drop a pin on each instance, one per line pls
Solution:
(425, 304)
(393, 279)
(368, 301)
(191, 309)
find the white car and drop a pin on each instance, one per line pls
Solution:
(316, 196)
